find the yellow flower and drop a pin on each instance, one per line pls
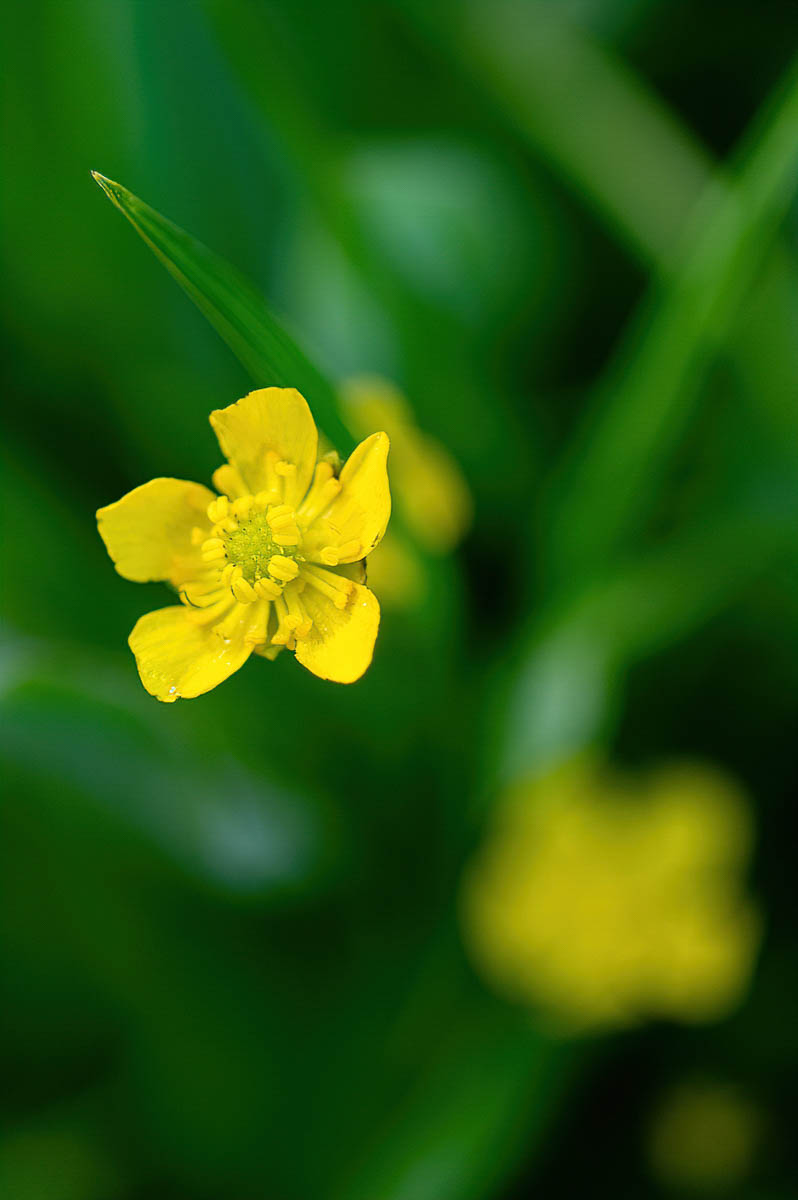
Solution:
(604, 900)
(426, 481)
(274, 560)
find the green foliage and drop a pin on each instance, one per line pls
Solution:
(229, 936)
(643, 406)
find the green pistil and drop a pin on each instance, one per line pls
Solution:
(252, 546)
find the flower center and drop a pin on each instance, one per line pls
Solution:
(261, 549)
(256, 541)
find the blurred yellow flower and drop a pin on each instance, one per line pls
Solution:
(605, 900)
(426, 482)
(273, 560)
(397, 573)
(704, 1137)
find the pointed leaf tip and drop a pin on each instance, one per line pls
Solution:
(235, 309)
(113, 190)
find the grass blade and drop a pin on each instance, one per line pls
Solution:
(645, 401)
(611, 139)
(565, 692)
(478, 1111)
(235, 309)
(579, 108)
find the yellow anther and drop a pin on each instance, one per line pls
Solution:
(263, 500)
(278, 524)
(280, 510)
(212, 544)
(285, 468)
(283, 526)
(242, 506)
(244, 591)
(335, 587)
(330, 556)
(213, 556)
(227, 480)
(228, 572)
(218, 508)
(282, 568)
(324, 471)
(229, 525)
(267, 589)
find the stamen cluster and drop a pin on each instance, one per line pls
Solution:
(263, 552)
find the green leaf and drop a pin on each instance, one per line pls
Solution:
(579, 107)
(481, 1107)
(646, 399)
(623, 153)
(565, 693)
(236, 310)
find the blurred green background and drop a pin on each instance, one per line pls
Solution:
(567, 230)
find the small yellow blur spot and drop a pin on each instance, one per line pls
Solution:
(704, 1137)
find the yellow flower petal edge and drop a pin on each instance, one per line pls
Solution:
(341, 643)
(148, 532)
(357, 518)
(269, 422)
(176, 657)
(274, 561)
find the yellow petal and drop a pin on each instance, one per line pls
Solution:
(276, 419)
(341, 643)
(178, 657)
(148, 532)
(360, 512)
